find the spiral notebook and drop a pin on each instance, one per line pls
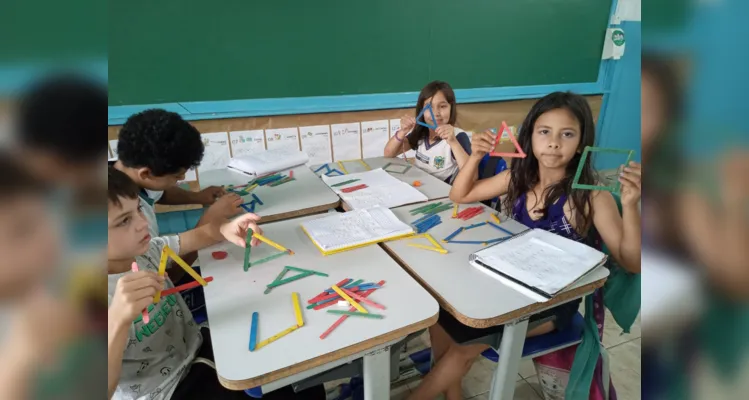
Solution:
(339, 232)
(538, 263)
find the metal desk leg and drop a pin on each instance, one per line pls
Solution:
(377, 374)
(510, 353)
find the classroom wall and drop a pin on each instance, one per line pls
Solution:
(620, 121)
(334, 136)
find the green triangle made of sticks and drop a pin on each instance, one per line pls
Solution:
(303, 273)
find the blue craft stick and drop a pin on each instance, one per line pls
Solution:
(334, 170)
(476, 225)
(500, 228)
(246, 208)
(370, 286)
(254, 196)
(352, 284)
(421, 114)
(271, 180)
(321, 167)
(422, 219)
(428, 219)
(452, 235)
(253, 331)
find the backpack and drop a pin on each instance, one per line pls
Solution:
(490, 166)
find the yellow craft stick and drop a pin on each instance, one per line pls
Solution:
(432, 241)
(365, 165)
(350, 300)
(343, 169)
(421, 246)
(276, 337)
(184, 266)
(455, 210)
(496, 219)
(162, 271)
(297, 309)
(270, 242)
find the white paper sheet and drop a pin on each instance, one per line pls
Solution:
(395, 125)
(382, 190)
(542, 260)
(374, 137)
(216, 154)
(340, 230)
(346, 143)
(244, 143)
(316, 143)
(283, 138)
(113, 148)
(269, 161)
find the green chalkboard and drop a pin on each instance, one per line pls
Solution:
(200, 50)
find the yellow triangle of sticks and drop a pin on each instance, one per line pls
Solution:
(166, 254)
(435, 245)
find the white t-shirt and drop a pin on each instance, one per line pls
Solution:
(438, 159)
(158, 354)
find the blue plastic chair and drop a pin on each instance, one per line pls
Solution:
(538, 345)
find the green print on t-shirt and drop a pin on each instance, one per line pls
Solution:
(157, 319)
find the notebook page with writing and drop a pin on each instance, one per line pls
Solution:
(343, 230)
(382, 190)
(541, 260)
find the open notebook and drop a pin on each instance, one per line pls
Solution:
(538, 263)
(267, 162)
(339, 232)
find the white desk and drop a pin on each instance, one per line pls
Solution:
(234, 295)
(306, 195)
(472, 297)
(433, 188)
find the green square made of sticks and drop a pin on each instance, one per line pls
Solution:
(616, 186)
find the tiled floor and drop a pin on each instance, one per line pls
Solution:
(624, 353)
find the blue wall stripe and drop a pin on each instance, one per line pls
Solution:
(14, 77)
(200, 110)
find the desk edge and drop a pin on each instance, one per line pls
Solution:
(326, 358)
(501, 319)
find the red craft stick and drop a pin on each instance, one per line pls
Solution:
(343, 317)
(291, 174)
(353, 188)
(329, 296)
(363, 299)
(186, 286)
(323, 294)
(144, 314)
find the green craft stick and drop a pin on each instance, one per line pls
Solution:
(289, 267)
(344, 183)
(424, 208)
(352, 284)
(266, 259)
(429, 208)
(616, 187)
(439, 209)
(282, 181)
(287, 280)
(247, 249)
(278, 278)
(356, 314)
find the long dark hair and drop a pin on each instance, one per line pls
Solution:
(422, 132)
(524, 171)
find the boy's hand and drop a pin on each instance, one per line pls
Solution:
(235, 230)
(209, 195)
(224, 208)
(631, 179)
(133, 293)
(482, 143)
(446, 133)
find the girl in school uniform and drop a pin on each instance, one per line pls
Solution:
(441, 151)
(539, 194)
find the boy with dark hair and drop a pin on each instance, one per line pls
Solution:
(58, 130)
(170, 357)
(155, 149)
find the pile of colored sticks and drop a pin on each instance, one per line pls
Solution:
(433, 208)
(275, 179)
(426, 223)
(469, 213)
(350, 292)
(242, 190)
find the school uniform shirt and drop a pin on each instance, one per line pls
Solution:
(438, 159)
(158, 354)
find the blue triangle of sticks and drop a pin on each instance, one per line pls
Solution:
(431, 114)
